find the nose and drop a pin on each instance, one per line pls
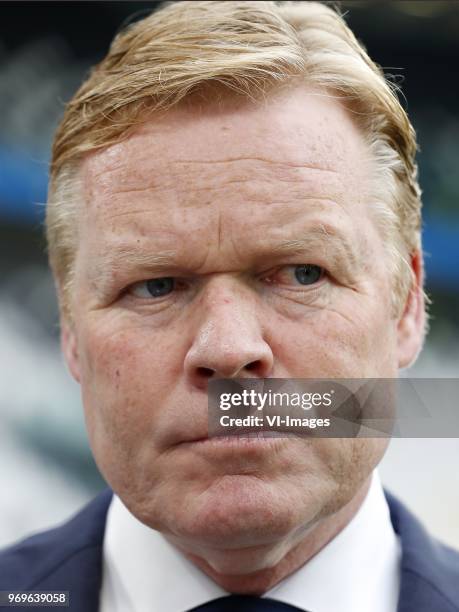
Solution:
(228, 341)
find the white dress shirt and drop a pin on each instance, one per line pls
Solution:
(357, 571)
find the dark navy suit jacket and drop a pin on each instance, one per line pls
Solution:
(69, 558)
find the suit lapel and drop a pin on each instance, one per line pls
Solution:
(77, 564)
(429, 570)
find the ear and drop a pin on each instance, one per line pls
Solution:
(69, 347)
(411, 326)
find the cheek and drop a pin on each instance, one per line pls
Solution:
(353, 341)
(127, 376)
(348, 463)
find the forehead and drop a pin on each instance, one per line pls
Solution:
(298, 146)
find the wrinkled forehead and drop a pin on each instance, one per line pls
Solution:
(286, 135)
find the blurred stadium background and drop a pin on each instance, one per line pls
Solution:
(46, 48)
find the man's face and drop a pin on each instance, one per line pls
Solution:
(192, 237)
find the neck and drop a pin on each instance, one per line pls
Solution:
(278, 560)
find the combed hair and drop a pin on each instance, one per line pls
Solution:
(245, 48)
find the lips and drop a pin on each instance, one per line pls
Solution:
(240, 441)
(241, 436)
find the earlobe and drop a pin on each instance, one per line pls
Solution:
(411, 326)
(70, 350)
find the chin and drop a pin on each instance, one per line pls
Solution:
(239, 512)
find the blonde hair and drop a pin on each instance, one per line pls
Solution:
(248, 48)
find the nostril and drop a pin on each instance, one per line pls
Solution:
(205, 372)
(253, 365)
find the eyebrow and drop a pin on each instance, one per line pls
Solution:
(317, 237)
(125, 257)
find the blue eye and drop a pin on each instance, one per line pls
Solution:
(155, 287)
(158, 287)
(308, 274)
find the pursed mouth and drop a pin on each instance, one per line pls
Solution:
(242, 438)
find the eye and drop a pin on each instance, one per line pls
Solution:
(303, 274)
(154, 288)
(308, 274)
